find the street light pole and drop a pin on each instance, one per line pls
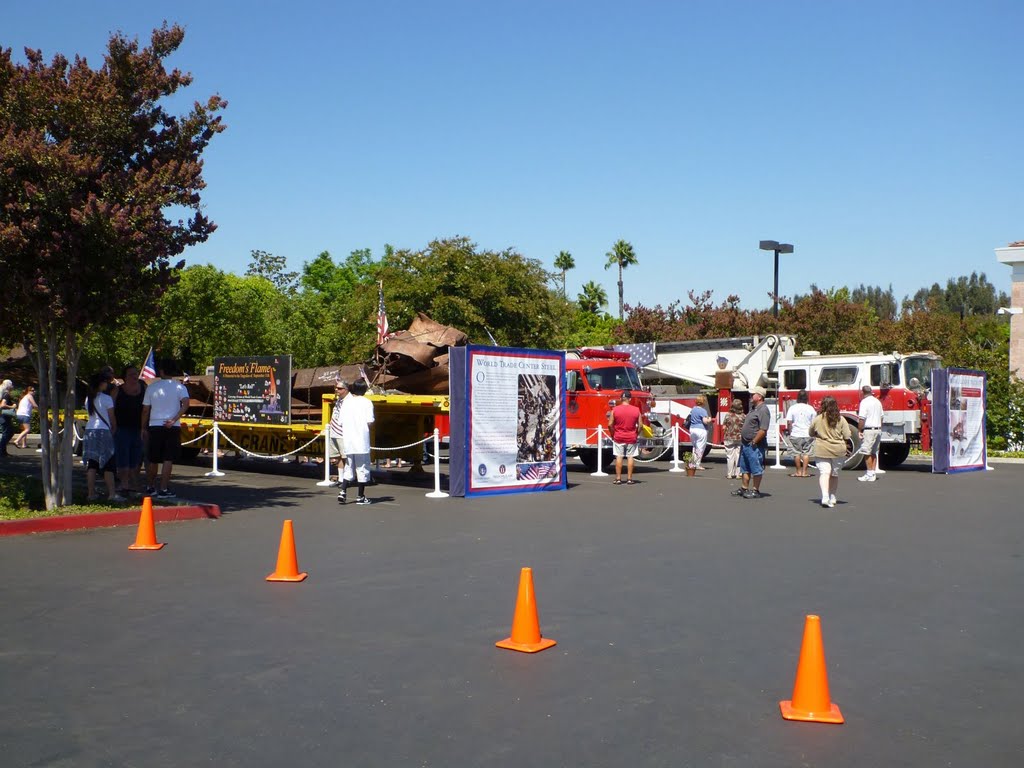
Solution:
(777, 247)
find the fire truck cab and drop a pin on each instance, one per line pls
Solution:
(594, 379)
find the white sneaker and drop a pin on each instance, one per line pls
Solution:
(867, 478)
(824, 502)
(879, 471)
(831, 501)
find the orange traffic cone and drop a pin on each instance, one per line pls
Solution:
(287, 562)
(811, 700)
(146, 536)
(526, 635)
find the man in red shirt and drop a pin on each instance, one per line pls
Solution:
(624, 426)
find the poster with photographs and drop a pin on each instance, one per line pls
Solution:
(509, 404)
(958, 421)
(252, 390)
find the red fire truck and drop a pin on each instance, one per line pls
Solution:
(730, 367)
(594, 380)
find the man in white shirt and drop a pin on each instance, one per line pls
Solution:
(799, 418)
(356, 418)
(163, 405)
(869, 425)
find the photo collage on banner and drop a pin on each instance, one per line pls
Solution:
(513, 417)
(958, 420)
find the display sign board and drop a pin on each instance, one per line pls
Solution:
(958, 420)
(507, 420)
(252, 390)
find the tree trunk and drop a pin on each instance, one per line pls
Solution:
(620, 290)
(57, 444)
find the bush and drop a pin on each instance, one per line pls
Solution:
(21, 494)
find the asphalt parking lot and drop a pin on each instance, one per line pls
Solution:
(678, 611)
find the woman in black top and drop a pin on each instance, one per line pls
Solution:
(128, 445)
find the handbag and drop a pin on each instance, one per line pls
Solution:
(8, 412)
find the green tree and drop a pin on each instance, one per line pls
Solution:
(882, 302)
(622, 256)
(272, 268)
(457, 284)
(92, 167)
(564, 262)
(592, 298)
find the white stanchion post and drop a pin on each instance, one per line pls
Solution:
(326, 482)
(437, 493)
(778, 444)
(215, 472)
(676, 463)
(600, 454)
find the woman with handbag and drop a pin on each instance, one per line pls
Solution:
(99, 437)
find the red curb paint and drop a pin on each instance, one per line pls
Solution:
(106, 519)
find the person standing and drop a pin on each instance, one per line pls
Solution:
(731, 431)
(830, 432)
(624, 426)
(26, 405)
(163, 405)
(356, 418)
(754, 445)
(337, 444)
(128, 405)
(98, 451)
(698, 427)
(869, 427)
(799, 418)
(7, 414)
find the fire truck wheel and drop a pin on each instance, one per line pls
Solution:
(856, 460)
(894, 454)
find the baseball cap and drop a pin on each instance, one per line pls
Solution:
(758, 391)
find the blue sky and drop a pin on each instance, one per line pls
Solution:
(882, 139)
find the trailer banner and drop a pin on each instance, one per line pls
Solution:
(252, 390)
(507, 420)
(958, 420)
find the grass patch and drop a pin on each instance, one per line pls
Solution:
(21, 498)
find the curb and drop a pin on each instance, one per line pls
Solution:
(106, 519)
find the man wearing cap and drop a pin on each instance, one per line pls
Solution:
(869, 425)
(337, 443)
(624, 426)
(754, 445)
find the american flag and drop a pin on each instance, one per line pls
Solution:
(382, 316)
(641, 354)
(537, 471)
(148, 372)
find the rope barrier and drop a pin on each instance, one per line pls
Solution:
(271, 456)
(197, 439)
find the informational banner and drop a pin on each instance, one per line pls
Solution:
(507, 420)
(958, 420)
(252, 390)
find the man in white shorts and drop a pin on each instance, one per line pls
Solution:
(356, 418)
(869, 425)
(799, 417)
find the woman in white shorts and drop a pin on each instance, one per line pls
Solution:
(830, 432)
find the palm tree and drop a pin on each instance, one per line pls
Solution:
(592, 298)
(622, 254)
(564, 261)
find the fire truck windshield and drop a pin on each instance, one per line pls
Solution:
(613, 377)
(920, 368)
